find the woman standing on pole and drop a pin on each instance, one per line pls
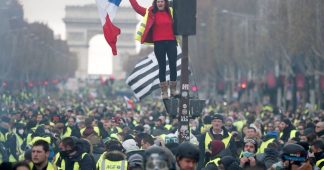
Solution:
(157, 28)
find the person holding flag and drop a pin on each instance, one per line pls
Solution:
(157, 27)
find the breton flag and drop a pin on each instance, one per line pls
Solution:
(145, 77)
(107, 10)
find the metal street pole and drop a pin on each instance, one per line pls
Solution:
(184, 129)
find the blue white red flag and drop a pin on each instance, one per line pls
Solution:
(107, 10)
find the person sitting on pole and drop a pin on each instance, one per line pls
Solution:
(157, 28)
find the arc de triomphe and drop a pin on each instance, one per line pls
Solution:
(82, 23)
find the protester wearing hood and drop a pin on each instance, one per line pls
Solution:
(287, 131)
(131, 147)
(73, 156)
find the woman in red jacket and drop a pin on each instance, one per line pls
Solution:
(157, 28)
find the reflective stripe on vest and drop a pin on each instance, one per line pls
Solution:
(264, 145)
(208, 139)
(141, 28)
(76, 165)
(112, 165)
(68, 133)
(319, 162)
(291, 135)
(214, 161)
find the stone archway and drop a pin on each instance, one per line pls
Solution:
(82, 23)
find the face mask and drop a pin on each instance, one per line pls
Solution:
(247, 154)
(65, 153)
(47, 131)
(151, 118)
(21, 131)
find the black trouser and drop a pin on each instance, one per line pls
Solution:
(169, 48)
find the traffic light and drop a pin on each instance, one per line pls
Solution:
(185, 17)
(195, 105)
(243, 85)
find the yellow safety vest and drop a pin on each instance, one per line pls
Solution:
(319, 162)
(239, 125)
(49, 166)
(264, 145)
(19, 142)
(140, 30)
(102, 157)
(68, 133)
(205, 128)
(112, 165)
(168, 126)
(214, 161)
(96, 129)
(2, 137)
(208, 139)
(292, 134)
(46, 139)
(29, 138)
(61, 165)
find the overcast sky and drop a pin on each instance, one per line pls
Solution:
(52, 12)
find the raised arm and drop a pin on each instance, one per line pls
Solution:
(139, 9)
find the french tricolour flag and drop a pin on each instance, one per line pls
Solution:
(107, 10)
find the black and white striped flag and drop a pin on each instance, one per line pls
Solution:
(144, 79)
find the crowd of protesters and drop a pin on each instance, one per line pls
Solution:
(75, 132)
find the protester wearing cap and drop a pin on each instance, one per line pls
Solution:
(217, 132)
(135, 162)
(293, 157)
